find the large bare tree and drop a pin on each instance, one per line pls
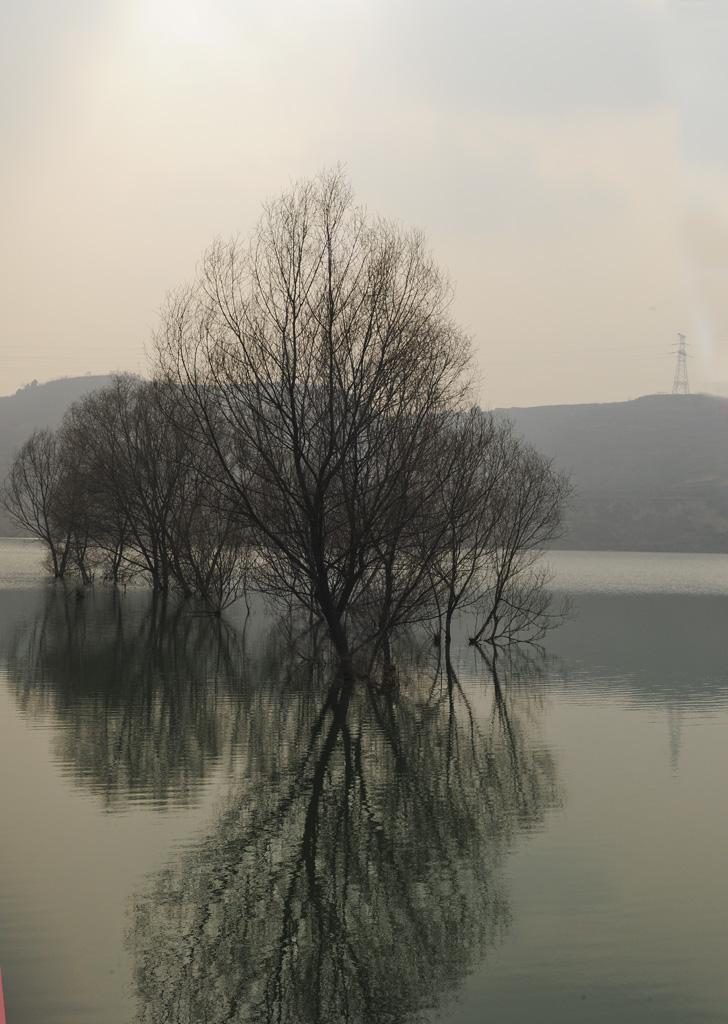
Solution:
(317, 360)
(306, 433)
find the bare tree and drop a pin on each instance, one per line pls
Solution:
(306, 435)
(120, 491)
(315, 360)
(531, 514)
(470, 471)
(212, 551)
(498, 501)
(31, 495)
(74, 512)
(134, 460)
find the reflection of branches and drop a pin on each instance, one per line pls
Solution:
(354, 875)
(140, 687)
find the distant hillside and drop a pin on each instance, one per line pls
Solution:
(32, 407)
(650, 474)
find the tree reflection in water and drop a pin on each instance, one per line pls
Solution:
(140, 690)
(354, 874)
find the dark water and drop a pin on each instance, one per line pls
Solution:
(197, 825)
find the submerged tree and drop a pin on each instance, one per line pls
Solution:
(533, 498)
(32, 496)
(498, 503)
(470, 474)
(318, 361)
(135, 461)
(119, 492)
(306, 434)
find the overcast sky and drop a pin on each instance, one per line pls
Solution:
(567, 160)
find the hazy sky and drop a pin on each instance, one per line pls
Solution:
(568, 161)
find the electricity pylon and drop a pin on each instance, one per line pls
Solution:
(680, 385)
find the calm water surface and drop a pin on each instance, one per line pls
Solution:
(197, 826)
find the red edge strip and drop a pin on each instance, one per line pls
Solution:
(2, 1004)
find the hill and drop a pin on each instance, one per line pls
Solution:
(649, 475)
(33, 407)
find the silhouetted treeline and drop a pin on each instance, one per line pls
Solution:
(117, 493)
(307, 435)
(121, 492)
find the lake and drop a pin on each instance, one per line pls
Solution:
(198, 824)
